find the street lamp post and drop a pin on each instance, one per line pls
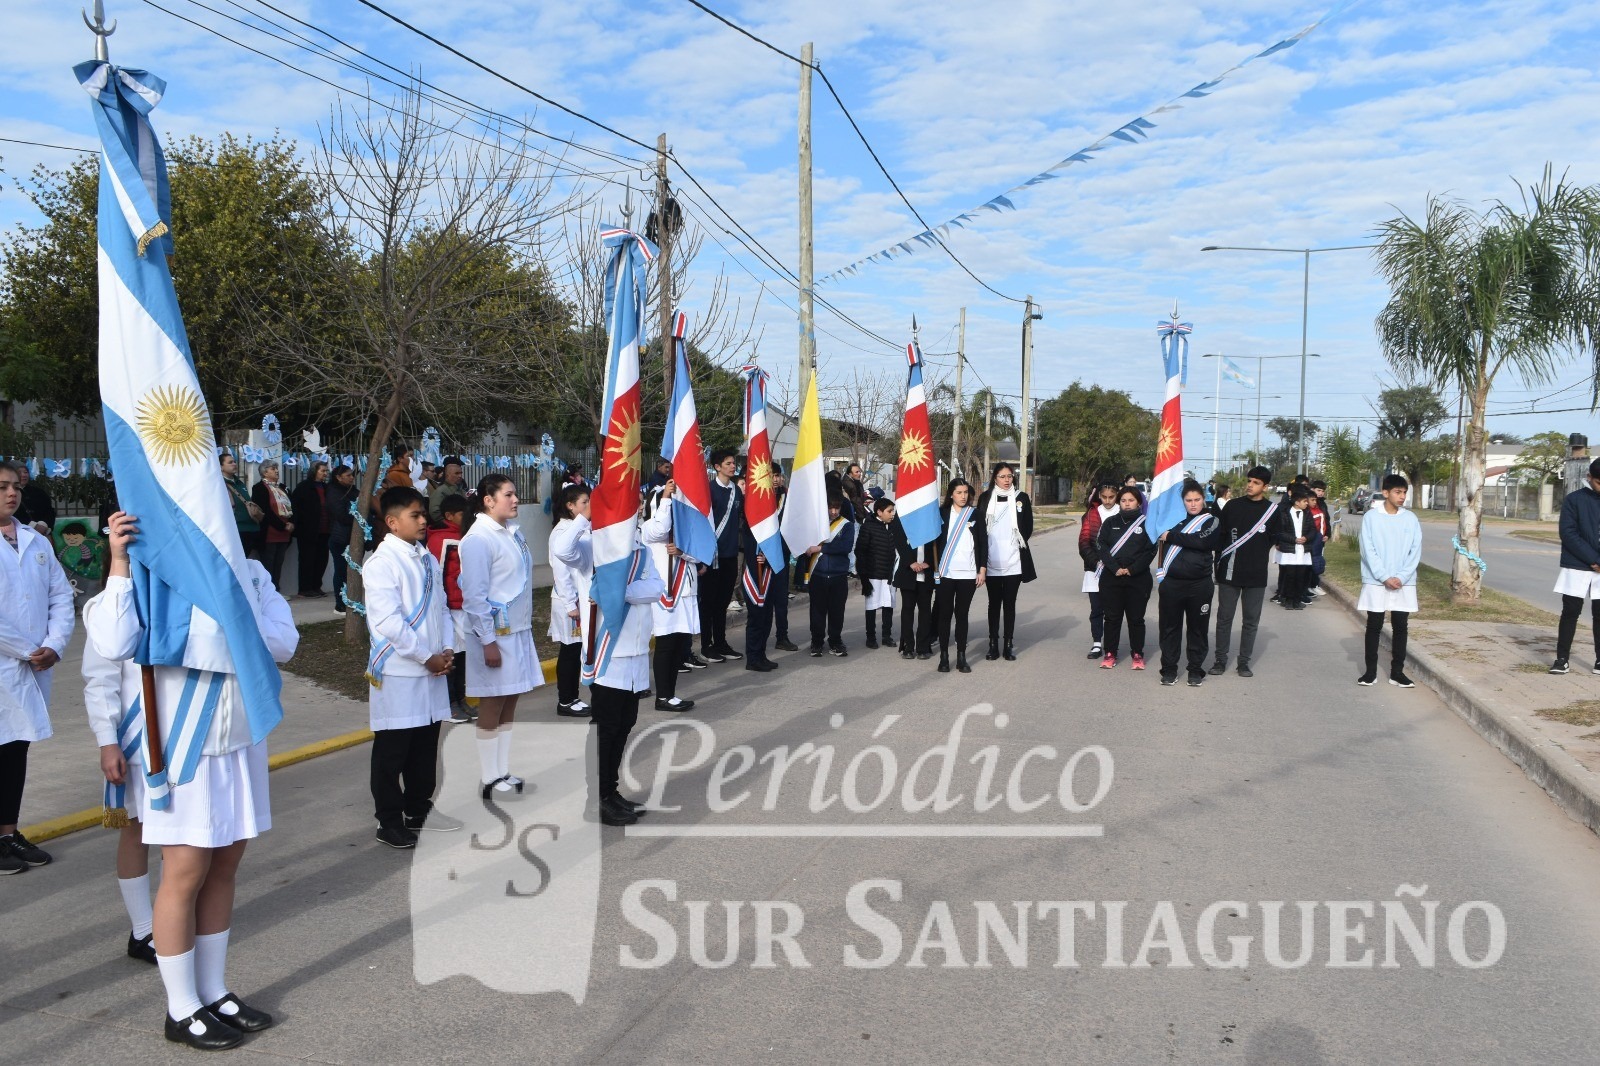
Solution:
(1305, 320)
(1218, 420)
(1260, 374)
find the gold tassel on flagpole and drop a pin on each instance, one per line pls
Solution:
(114, 818)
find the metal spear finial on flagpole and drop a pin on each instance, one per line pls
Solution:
(100, 30)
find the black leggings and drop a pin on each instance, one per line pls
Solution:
(13, 775)
(1571, 608)
(1003, 597)
(1398, 621)
(953, 600)
(569, 671)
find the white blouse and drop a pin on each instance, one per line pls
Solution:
(496, 580)
(963, 561)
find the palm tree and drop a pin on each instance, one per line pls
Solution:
(974, 442)
(1473, 294)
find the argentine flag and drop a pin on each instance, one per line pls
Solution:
(187, 557)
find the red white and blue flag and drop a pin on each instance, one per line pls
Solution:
(916, 479)
(760, 493)
(614, 508)
(692, 530)
(1166, 487)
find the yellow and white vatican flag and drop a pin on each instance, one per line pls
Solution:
(805, 514)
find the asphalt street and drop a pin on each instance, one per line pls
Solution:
(1295, 785)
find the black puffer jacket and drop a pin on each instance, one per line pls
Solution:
(1198, 549)
(1135, 554)
(875, 550)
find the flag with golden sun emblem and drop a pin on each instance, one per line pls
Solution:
(916, 479)
(195, 591)
(1166, 486)
(614, 508)
(760, 489)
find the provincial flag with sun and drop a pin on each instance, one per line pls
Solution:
(1166, 486)
(760, 490)
(187, 556)
(916, 479)
(614, 507)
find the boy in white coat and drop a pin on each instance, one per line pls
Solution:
(408, 621)
(34, 629)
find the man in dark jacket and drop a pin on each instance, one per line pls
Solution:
(1184, 558)
(716, 584)
(1579, 577)
(1246, 539)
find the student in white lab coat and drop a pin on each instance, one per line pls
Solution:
(569, 591)
(34, 629)
(676, 615)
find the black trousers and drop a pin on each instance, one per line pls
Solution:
(1293, 583)
(341, 570)
(758, 619)
(953, 601)
(614, 713)
(716, 593)
(405, 771)
(1228, 600)
(313, 562)
(1571, 608)
(666, 659)
(828, 596)
(1003, 604)
(1097, 618)
(456, 681)
(13, 775)
(1184, 605)
(916, 621)
(778, 600)
(1125, 599)
(272, 558)
(569, 669)
(1399, 622)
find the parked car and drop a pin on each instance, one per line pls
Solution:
(1360, 500)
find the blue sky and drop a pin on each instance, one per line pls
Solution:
(1377, 108)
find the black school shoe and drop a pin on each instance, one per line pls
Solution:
(203, 1031)
(1169, 679)
(396, 836)
(761, 666)
(816, 651)
(1196, 680)
(674, 704)
(786, 645)
(142, 948)
(244, 1018)
(20, 848)
(616, 813)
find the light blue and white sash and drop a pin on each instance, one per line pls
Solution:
(500, 613)
(591, 665)
(1191, 526)
(186, 738)
(383, 651)
(950, 545)
(1127, 535)
(130, 737)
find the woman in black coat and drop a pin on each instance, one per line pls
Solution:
(961, 551)
(1126, 552)
(311, 527)
(1007, 515)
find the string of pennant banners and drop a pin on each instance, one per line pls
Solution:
(1134, 131)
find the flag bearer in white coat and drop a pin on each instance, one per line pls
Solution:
(676, 615)
(118, 727)
(569, 591)
(497, 595)
(614, 693)
(34, 629)
(409, 623)
(213, 800)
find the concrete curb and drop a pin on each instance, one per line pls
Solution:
(1575, 789)
(89, 819)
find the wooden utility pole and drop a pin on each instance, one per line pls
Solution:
(988, 431)
(808, 324)
(955, 431)
(664, 233)
(1027, 380)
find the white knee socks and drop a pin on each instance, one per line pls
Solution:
(210, 960)
(136, 898)
(177, 975)
(503, 753)
(489, 755)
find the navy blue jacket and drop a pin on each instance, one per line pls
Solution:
(721, 500)
(1580, 529)
(834, 559)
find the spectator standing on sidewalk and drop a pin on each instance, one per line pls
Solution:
(451, 483)
(336, 503)
(37, 510)
(277, 519)
(1579, 576)
(309, 500)
(246, 512)
(1391, 551)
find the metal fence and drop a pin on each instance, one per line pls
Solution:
(1531, 503)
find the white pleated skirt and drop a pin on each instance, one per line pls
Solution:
(1382, 598)
(518, 672)
(225, 801)
(1570, 582)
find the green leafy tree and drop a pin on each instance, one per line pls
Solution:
(241, 211)
(1406, 415)
(1090, 433)
(1543, 458)
(1472, 294)
(1345, 463)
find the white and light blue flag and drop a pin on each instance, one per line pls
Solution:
(1231, 371)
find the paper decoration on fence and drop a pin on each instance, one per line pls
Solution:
(1131, 132)
(312, 439)
(58, 467)
(385, 459)
(270, 431)
(291, 461)
(251, 454)
(429, 450)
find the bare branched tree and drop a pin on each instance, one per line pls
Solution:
(438, 284)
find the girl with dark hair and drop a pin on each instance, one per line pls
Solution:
(568, 594)
(961, 555)
(1102, 505)
(497, 596)
(444, 541)
(675, 617)
(1125, 554)
(1007, 515)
